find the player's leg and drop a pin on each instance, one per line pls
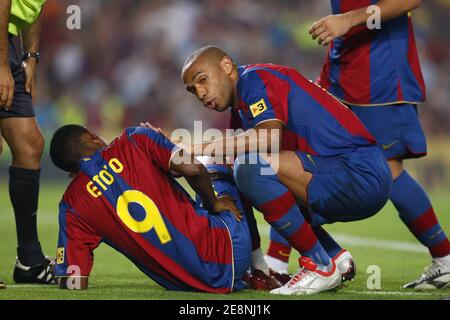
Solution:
(400, 136)
(279, 249)
(261, 185)
(416, 212)
(260, 277)
(26, 143)
(278, 252)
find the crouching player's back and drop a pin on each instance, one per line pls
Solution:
(125, 196)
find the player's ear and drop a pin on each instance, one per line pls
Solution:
(227, 65)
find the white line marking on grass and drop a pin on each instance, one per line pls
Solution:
(348, 240)
(29, 286)
(379, 244)
(396, 293)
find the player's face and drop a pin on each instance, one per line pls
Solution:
(211, 83)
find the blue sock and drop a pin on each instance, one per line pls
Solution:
(416, 212)
(328, 243)
(259, 183)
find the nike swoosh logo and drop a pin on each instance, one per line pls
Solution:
(388, 146)
(281, 253)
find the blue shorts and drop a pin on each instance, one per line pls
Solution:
(396, 128)
(239, 231)
(347, 187)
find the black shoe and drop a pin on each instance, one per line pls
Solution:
(40, 274)
(2, 285)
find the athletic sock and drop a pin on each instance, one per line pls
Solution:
(259, 183)
(24, 194)
(258, 261)
(279, 247)
(328, 243)
(416, 212)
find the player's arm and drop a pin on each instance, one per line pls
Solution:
(30, 42)
(198, 178)
(334, 26)
(6, 78)
(266, 137)
(74, 256)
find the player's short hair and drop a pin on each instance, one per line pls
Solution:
(213, 52)
(66, 147)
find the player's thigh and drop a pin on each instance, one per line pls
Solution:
(25, 140)
(396, 166)
(291, 173)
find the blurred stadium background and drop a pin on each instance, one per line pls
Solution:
(123, 66)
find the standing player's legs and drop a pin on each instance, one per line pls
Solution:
(26, 143)
(21, 132)
(400, 136)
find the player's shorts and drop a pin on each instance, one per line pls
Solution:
(348, 187)
(396, 128)
(22, 106)
(223, 183)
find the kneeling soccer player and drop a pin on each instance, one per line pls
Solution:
(123, 194)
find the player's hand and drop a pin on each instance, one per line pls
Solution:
(30, 74)
(329, 28)
(183, 145)
(6, 87)
(226, 203)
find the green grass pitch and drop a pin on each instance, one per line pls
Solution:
(382, 241)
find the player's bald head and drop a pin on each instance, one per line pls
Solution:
(206, 55)
(211, 75)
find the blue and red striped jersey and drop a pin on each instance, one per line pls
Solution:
(125, 196)
(373, 67)
(314, 121)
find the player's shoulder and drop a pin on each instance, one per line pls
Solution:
(257, 75)
(142, 136)
(75, 190)
(141, 131)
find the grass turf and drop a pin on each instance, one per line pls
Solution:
(114, 277)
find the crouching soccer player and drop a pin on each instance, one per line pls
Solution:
(124, 195)
(329, 161)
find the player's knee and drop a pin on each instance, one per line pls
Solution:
(245, 169)
(29, 153)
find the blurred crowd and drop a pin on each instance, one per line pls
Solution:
(123, 66)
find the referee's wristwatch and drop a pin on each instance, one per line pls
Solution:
(28, 55)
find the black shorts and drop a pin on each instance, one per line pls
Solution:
(22, 106)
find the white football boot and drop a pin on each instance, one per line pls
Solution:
(309, 280)
(435, 276)
(346, 265)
